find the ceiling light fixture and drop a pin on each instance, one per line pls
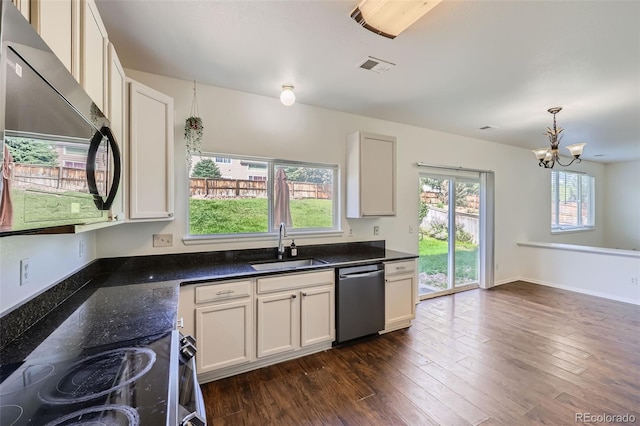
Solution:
(389, 18)
(287, 97)
(548, 157)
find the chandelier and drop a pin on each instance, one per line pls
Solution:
(548, 157)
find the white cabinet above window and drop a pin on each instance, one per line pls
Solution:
(371, 175)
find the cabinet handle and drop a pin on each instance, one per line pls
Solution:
(220, 293)
(304, 294)
(400, 268)
(293, 296)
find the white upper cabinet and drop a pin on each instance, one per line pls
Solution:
(93, 54)
(150, 142)
(24, 6)
(117, 86)
(371, 175)
(58, 24)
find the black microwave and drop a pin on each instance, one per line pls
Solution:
(60, 163)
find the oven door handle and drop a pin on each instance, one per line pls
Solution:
(198, 417)
(193, 419)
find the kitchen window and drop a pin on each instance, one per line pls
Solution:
(243, 196)
(572, 201)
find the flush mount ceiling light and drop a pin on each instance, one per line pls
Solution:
(287, 97)
(389, 18)
(548, 157)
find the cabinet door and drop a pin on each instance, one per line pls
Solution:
(317, 315)
(224, 335)
(58, 25)
(371, 175)
(399, 304)
(117, 115)
(278, 323)
(24, 7)
(377, 184)
(93, 54)
(150, 154)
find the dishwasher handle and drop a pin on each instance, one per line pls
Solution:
(362, 274)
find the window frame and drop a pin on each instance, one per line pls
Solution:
(272, 164)
(556, 227)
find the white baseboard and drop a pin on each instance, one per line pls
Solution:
(505, 281)
(580, 290)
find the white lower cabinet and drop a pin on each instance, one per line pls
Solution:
(400, 284)
(301, 316)
(224, 335)
(317, 315)
(241, 325)
(220, 317)
(278, 319)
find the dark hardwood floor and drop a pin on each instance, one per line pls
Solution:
(515, 355)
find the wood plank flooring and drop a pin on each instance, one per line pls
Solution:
(518, 354)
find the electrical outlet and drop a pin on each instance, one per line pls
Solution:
(25, 271)
(376, 230)
(634, 280)
(410, 229)
(163, 240)
(81, 249)
(350, 232)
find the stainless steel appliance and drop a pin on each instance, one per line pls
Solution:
(359, 301)
(190, 403)
(149, 381)
(60, 163)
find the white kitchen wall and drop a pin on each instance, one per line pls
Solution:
(242, 123)
(622, 204)
(51, 258)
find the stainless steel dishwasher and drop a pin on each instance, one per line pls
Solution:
(359, 301)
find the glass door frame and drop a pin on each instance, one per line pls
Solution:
(452, 179)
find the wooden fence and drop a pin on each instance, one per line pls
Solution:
(61, 178)
(238, 188)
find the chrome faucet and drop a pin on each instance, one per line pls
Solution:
(281, 233)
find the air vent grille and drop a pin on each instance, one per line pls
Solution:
(376, 65)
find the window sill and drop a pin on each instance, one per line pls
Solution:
(571, 230)
(189, 240)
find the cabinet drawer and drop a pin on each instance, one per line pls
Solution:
(404, 267)
(290, 281)
(222, 291)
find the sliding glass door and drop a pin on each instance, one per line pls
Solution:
(449, 233)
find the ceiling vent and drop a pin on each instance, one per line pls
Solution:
(376, 65)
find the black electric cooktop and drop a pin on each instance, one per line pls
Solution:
(118, 384)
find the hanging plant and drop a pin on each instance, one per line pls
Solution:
(193, 130)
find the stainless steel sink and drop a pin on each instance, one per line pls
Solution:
(286, 264)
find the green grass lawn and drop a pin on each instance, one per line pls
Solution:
(433, 259)
(37, 209)
(249, 215)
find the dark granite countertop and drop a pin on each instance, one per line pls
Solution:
(128, 298)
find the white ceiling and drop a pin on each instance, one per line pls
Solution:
(464, 65)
